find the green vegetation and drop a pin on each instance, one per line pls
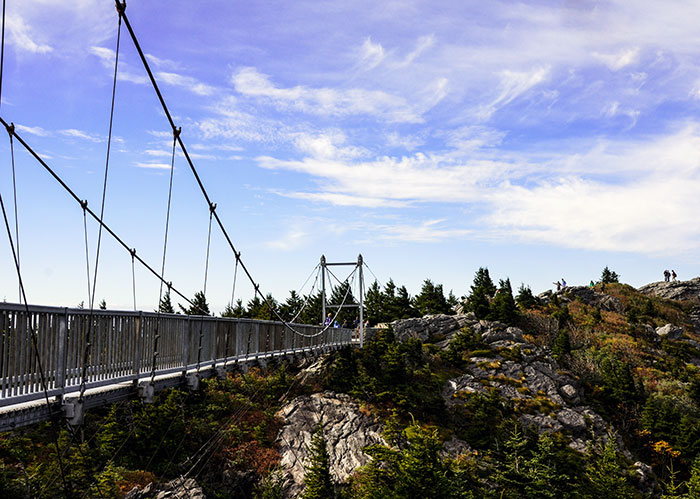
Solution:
(646, 388)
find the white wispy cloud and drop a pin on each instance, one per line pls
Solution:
(325, 101)
(294, 238)
(186, 82)
(371, 55)
(34, 130)
(156, 166)
(620, 59)
(24, 38)
(124, 72)
(513, 84)
(80, 134)
(430, 231)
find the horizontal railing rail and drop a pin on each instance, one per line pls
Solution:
(122, 347)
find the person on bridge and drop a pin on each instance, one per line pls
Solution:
(329, 320)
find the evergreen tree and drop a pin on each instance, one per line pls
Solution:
(483, 289)
(338, 294)
(431, 299)
(259, 309)
(312, 312)
(402, 304)
(693, 483)
(605, 473)
(235, 312)
(166, 305)
(317, 476)
(608, 276)
(292, 306)
(525, 299)
(373, 303)
(562, 345)
(199, 305)
(503, 307)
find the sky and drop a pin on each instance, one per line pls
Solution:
(543, 140)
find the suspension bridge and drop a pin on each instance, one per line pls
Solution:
(56, 363)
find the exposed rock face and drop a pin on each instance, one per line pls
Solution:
(548, 399)
(179, 488)
(669, 331)
(346, 430)
(674, 290)
(585, 294)
(430, 325)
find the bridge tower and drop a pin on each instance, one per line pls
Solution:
(324, 304)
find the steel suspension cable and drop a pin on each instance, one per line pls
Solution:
(94, 216)
(235, 275)
(88, 337)
(156, 335)
(14, 192)
(206, 260)
(181, 143)
(87, 251)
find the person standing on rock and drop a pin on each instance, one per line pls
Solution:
(558, 285)
(563, 283)
(667, 275)
(673, 275)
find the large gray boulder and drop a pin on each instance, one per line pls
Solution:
(180, 488)
(346, 429)
(674, 290)
(669, 331)
(423, 328)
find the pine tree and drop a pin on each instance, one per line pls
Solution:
(166, 306)
(503, 307)
(483, 289)
(234, 311)
(431, 299)
(373, 303)
(608, 276)
(292, 307)
(605, 473)
(199, 305)
(525, 299)
(402, 304)
(317, 476)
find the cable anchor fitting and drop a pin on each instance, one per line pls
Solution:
(10, 129)
(121, 7)
(212, 207)
(84, 204)
(133, 252)
(176, 132)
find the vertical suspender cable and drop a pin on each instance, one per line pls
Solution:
(133, 278)
(14, 191)
(86, 353)
(87, 251)
(235, 274)
(156, 335)
(206, 260)
(2, 49)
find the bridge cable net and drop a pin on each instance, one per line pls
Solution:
(168, 115)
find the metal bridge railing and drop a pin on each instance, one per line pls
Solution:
(122, 347)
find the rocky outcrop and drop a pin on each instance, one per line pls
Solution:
(430, 326)
(586, 295)
(669, 331)
(346, 430)
(180, 488)
(527, 377)
(674, 290)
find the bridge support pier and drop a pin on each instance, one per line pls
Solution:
(192, 380)
(147, 392)
(74, 411)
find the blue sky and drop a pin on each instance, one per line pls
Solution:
(541, 140)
